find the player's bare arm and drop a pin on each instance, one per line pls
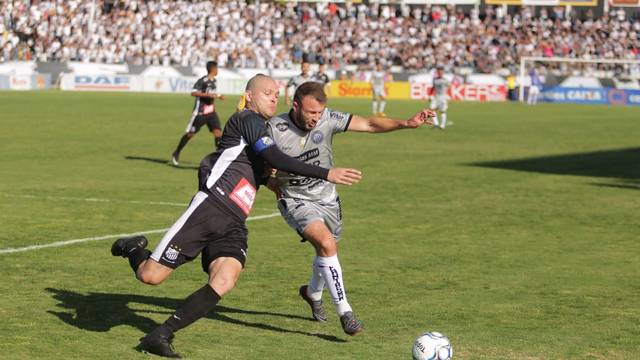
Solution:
(207, 95)
(382, 124)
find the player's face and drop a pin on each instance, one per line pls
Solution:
(264, 98)
(305, 68)
(308, 113)
(213, 72)
(440, 72)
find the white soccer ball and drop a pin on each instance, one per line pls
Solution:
(432, 346)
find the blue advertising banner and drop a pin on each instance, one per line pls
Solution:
(609, 96)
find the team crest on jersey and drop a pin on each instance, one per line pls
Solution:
(317, 137)
(283, 126)
(171, 254)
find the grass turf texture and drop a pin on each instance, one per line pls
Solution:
(514, 232)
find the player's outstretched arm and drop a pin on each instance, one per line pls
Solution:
(281, 161)
(344, 176)
(380, 124)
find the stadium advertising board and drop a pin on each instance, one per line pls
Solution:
(605, 96)
(630, 3)
(578, 2)
(462, 92)
(99, 82)
(443, 2)
(361, 89)
(503, 2)
(25, 82)
(546, 2)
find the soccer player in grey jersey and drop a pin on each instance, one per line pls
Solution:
(298, 80)
(439, 97)
(312, 206)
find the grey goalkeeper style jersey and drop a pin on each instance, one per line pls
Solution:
(313, 147)
(440, 86)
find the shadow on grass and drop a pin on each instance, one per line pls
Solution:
(164, 162)
(623, 164)
(102, 311)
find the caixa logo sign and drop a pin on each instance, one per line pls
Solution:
(102, 82)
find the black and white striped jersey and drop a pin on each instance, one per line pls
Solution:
(205, 85)
(233, 172)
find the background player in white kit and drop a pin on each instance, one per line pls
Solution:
(439, 97)
(312, 206)
(378, 80)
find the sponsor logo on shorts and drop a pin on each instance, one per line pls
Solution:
(283, 126)
(317, 137)
(171, 254)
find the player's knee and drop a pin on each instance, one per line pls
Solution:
(150, 277)
(327, 246)
(223, 284)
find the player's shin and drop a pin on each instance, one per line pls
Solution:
(332, 274)
(196, 306)
(444, 120)
(316, 283)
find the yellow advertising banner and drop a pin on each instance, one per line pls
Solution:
(633, 3)
(362, 90)
(578, 2)
(503, 2)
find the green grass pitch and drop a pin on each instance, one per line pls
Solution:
(515, 232)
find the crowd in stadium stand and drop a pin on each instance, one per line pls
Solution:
(277, 35)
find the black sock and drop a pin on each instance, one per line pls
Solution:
(196, 306)
(137, 256)
(183, 141)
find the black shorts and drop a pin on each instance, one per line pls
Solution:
(211, 120)
(206, 227)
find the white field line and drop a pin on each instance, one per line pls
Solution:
(76, 241)
(99, 200)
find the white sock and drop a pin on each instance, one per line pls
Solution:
(382, 104)
(444, 119)
(316, 283)
(332, 274)
(374, 106)
(435, 121)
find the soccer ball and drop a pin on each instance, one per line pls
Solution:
(432, 346)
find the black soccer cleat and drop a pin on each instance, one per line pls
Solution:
(317, 309)
(350, 324)
(158, 342)
(124, 246)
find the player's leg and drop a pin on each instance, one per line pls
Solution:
(328, 265)
(433, 104)
(194, 125)
(443, 106)
(213, 123)
(383, 103)
(223, 258)
(374, 104)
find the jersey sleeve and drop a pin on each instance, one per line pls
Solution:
(254, 131)
(339, 120)
(198, 85)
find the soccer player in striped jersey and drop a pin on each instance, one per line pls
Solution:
(214, 223)
(204, 112)
(304, 76)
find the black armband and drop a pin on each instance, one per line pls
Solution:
(284, 162)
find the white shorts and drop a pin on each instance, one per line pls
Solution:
(439, 103)
(300, 213)
(378, 91)
(534, 90)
